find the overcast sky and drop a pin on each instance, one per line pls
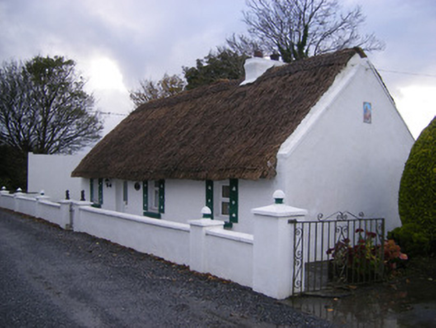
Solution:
(115, 43)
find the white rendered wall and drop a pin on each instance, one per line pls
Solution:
(229, 255)
(135, 197)
(261, 261)
(52, 173)
(168, 240)
(110, 193)
(253, 194)
(342, 163)
(184, 200)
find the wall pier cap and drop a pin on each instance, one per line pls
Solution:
(279, 208)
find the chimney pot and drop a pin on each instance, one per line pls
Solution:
(258, 53)
(275, 56)
(255, 67)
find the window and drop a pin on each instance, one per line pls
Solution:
(209, 196)
(153, 203)
(100, 192)
(154, 195)
(97, 201)
(125, 192)
(91, 190)
(233, 204)
(226, 201)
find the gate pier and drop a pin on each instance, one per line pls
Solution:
(273, 247)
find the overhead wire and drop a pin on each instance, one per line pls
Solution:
(406, 73)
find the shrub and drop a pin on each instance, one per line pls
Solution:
(366, 258)
(412, 239)
(417, 195)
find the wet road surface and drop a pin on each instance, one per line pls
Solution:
(55, 278)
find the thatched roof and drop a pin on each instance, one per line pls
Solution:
(215, 132)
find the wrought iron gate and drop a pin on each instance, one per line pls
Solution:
(337, 250)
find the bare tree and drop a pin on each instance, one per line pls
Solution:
(151, 90)
(300, 28)
(44, 109)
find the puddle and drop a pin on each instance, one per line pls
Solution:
(403, 303)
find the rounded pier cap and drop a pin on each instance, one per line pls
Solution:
(206, 212)
(279, 196)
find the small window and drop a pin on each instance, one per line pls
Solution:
(96, 197)
(225, 200)
(209, 196)
(91, 190)
(100, 191)
(154, 195)
(125, 192)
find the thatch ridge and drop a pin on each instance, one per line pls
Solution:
(215, 132)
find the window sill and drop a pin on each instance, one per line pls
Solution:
(153, 215)
(228, 225)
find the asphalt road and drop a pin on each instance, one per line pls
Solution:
(50, 277)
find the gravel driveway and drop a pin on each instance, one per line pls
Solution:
(55, 278)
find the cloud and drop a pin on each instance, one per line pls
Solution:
(145, 39)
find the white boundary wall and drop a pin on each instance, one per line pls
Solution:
(169, 240)
(261, 261)
(52, 173)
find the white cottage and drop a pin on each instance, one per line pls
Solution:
(324, 130)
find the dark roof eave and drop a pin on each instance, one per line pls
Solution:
(244, 174)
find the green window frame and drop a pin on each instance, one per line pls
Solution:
(209, 196)
(99, 190)
(147, 199)
(91, 190)
(125, 192)
(144, 197)
(233, 207)
(161, 196)
(227, 200)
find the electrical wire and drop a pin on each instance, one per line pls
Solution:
(406, 73)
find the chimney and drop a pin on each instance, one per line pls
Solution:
(256, 66)
(275, 56)
(258, 53)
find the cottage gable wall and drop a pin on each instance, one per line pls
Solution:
(51, 173)
(340, 162)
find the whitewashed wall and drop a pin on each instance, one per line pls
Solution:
(336, 162)
(183, 198)
(230, 255)
(262, 260)
(26, 204)
(52, 173)
(253, 194)
(7, 200)
(169, 240)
